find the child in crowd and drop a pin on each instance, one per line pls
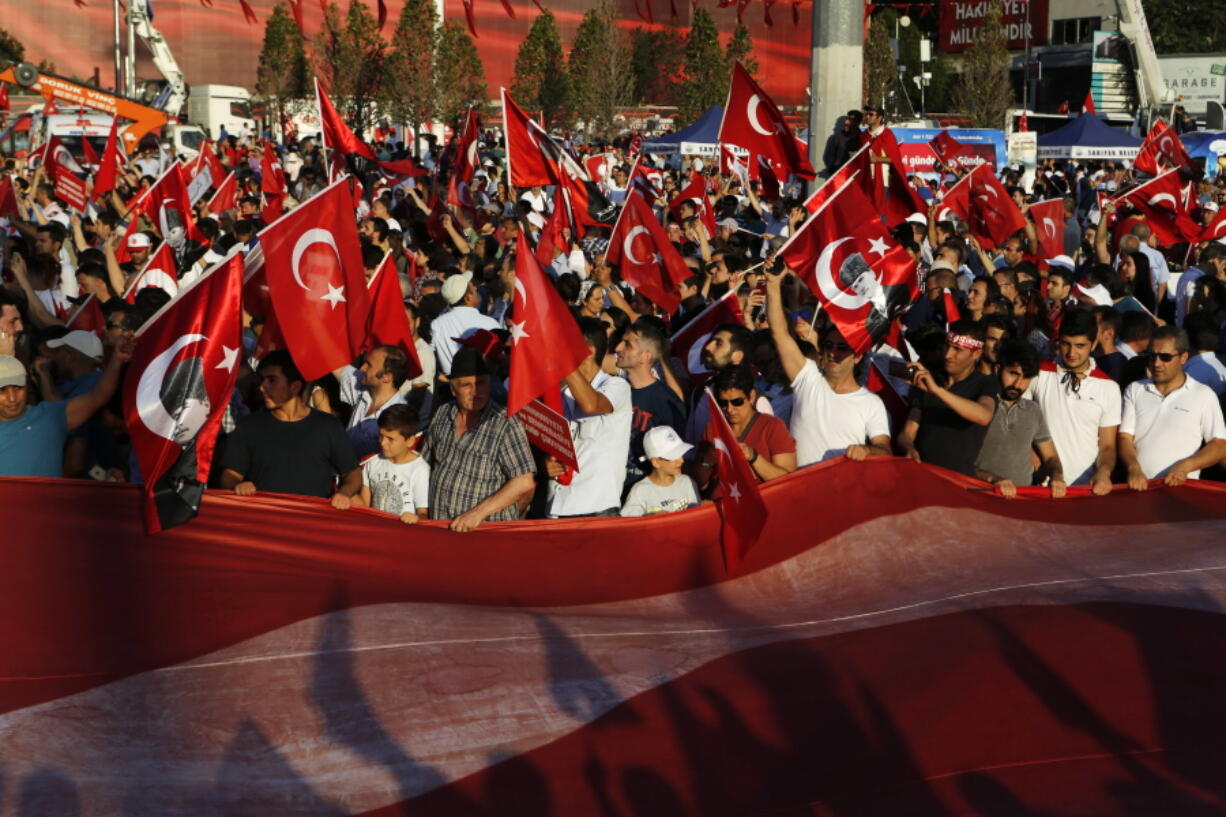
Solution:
(665, 489)
(397, 481)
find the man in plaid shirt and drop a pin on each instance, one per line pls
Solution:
(480, 463)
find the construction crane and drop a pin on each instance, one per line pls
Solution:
(174, 95)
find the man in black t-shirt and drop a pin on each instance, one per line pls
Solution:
(291, 448)
(654, 403)
(949, 417)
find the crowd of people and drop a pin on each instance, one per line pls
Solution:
(1090, 368)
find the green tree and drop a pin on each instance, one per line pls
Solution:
(985, 93)
(1186, 26)
(11, 49)
(459, 76)
(599, 68)
(879, 66)
(540, 81)
(657, 63)
(408, 93)
(740, 48)
(350, 60)
(282, 73)
(706, 72)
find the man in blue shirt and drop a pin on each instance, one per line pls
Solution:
(32, 437)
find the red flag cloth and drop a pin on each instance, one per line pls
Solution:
(217, 170)
(87, 150)
(467, 161)
(295, 7)
(741, 509)
(248, 12)
(108, 167)
(949, 151)
(552, 238)
(1048, 219)
(892, 194)
(1161, 201)
(272, 176)
(4, 97)
(226, 197)
(546, 344)
(273, 209)
(848, 259)
(388, 324)
(382, 13)
(8, 199)
(1062, 107)
(508, 8)
(159, 272)
(177, 388)
(1213, 230)
(878, 382)
(1023, 123)
(1088, 105)
(994, 215)
(470, 18)
(313, 262)
(753, 122)
(338, 135)
(957, 200)
(532, 155)
(167, 204)
(952, 312)
(1161, 149)
(645, 257)
(645, 179)
(597, 166)
(766, 13)
(696, 192)
(275, 610)
(88, 316)
(55, 153)
(854, 168)
(49, 107)
(687, 343)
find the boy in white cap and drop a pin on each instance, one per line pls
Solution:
(665, 489)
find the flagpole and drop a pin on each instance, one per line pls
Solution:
(119, 89)
(506, 137)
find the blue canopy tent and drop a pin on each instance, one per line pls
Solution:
(700, 139)
(1088, 137)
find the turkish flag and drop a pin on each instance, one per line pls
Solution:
(648, 180)
(753, 122)
(466, 162)
(336, 134)
(167, 204)
(1048, 219)
(177, 388)
(91, 156)
(645, 257)
(546, 344)
(696, 191)
(855, 168)
(108, 167)
(8, 199)
(949, 150)
(957, 200)
(994, 215)
(849, 260)
(272, 176)
(1161, 201)
(686, 345)
(531, 153)
(248, 11)
(226, 196)
(1088, 105)
(1162, 149)
(388, 324)
(208, 156)
(598, 166)
(313, 262)
(741, 509)
(88, 316)
(887, 185)
(159, 272)
(552, 237)
(1213, 230)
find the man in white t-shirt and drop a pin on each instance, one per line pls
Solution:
(600, 411)
(1081, 404)
(1172, 425)
(398, 480)
(832, 414)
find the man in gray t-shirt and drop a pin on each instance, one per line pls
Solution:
(1017, 428)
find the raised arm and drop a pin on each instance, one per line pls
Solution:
(790, 356)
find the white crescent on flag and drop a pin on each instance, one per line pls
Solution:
(149, 389)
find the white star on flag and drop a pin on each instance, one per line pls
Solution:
(229, 358)
(878, 246)
(734, 490)
(518, 332)
(335, 295)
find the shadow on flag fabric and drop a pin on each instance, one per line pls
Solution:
(316, 281)
(741, 510)
(388, 324)
(994, 215)
(177, 387)
(752, 121)
(849, 260)
(546, 344)
(1048, 217)
(1161, 149)
(645, 257)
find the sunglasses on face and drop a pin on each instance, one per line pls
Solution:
(828, 346)
(734, 401)
(1165, 357)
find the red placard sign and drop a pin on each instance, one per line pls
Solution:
(549, 431)
(1025, 20)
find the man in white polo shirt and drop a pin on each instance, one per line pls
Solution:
(1081, 405)
(460, 321)
(1172, 425)
(832, 414)
(600, 411)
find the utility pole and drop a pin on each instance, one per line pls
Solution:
(118, 50)
(836, 68)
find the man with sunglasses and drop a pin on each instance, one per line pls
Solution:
(1172, 425)
(832, 414)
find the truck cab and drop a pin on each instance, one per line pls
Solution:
(72, 127)
(218, 107)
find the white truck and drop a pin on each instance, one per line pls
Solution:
(218, 107)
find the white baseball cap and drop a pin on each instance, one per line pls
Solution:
(1097, 293)
(456, 287)
(918, 218)
(1061, 261)
(663, 443)
(12, 373)
(139, 241)
(86, 343)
